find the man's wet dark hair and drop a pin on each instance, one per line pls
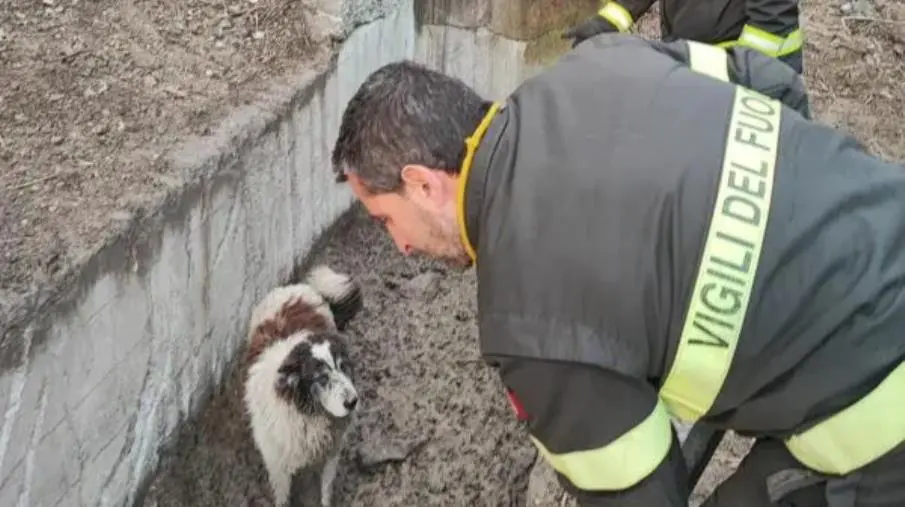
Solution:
(405, 113)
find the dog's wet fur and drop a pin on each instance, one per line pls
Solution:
(299, 387)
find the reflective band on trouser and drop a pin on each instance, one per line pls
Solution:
(858, 435)
(617, 15)
(709, 60)
(622, 463)
(770, 44)
(719, 301)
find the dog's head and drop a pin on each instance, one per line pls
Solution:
(317, 375)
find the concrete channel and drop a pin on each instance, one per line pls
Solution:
(117, 392)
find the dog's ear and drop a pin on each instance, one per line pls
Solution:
(291, 374)
(347, 308)
(288, 380)
(339, 343)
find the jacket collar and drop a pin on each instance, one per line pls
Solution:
(465, 190)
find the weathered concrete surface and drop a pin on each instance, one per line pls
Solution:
(524, 20)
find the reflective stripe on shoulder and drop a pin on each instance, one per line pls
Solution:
(618, 15)
(861, 433)
(728, 266)
(709, 60)
(771, 44)
(622, 463)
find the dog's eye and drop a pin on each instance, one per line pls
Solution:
(321, 379)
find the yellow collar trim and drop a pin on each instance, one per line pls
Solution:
(471, 146)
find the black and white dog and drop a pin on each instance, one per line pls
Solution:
(299, 391)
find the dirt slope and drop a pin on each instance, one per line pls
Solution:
(93, 93)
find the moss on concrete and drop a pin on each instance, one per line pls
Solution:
(530, 19)
(522, 20)
(545, 49)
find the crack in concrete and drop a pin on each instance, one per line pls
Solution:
(87, 321)
(204, 233)
(80, 446)
(292, 155)
(20, 461)
(25, 493)
(230, 225)
(79, 484)
(130, 444)
(152, 392)
(14, 400)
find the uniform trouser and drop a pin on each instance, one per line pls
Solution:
(770, 477)
(710, 22)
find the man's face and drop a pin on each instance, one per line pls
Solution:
(421, 218)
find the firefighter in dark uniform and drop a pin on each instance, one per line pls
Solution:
(769, 26)
(658, 232)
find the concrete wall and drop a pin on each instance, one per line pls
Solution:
(103, 378)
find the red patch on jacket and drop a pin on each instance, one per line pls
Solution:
(520, 413)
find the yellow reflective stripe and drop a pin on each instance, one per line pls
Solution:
(621, 464)
(848, 440)
(617, 15)
(726, 274)
(471, 146)
(861, 433)
(709, 60)
(770, 44)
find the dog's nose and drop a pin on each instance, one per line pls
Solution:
(351, 403)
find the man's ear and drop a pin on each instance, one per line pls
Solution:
(423, 182)
(416, 177)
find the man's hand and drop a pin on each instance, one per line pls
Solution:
(592, 26)
(613, 17)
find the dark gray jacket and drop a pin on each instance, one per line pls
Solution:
(588, 203)
(716, 21)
